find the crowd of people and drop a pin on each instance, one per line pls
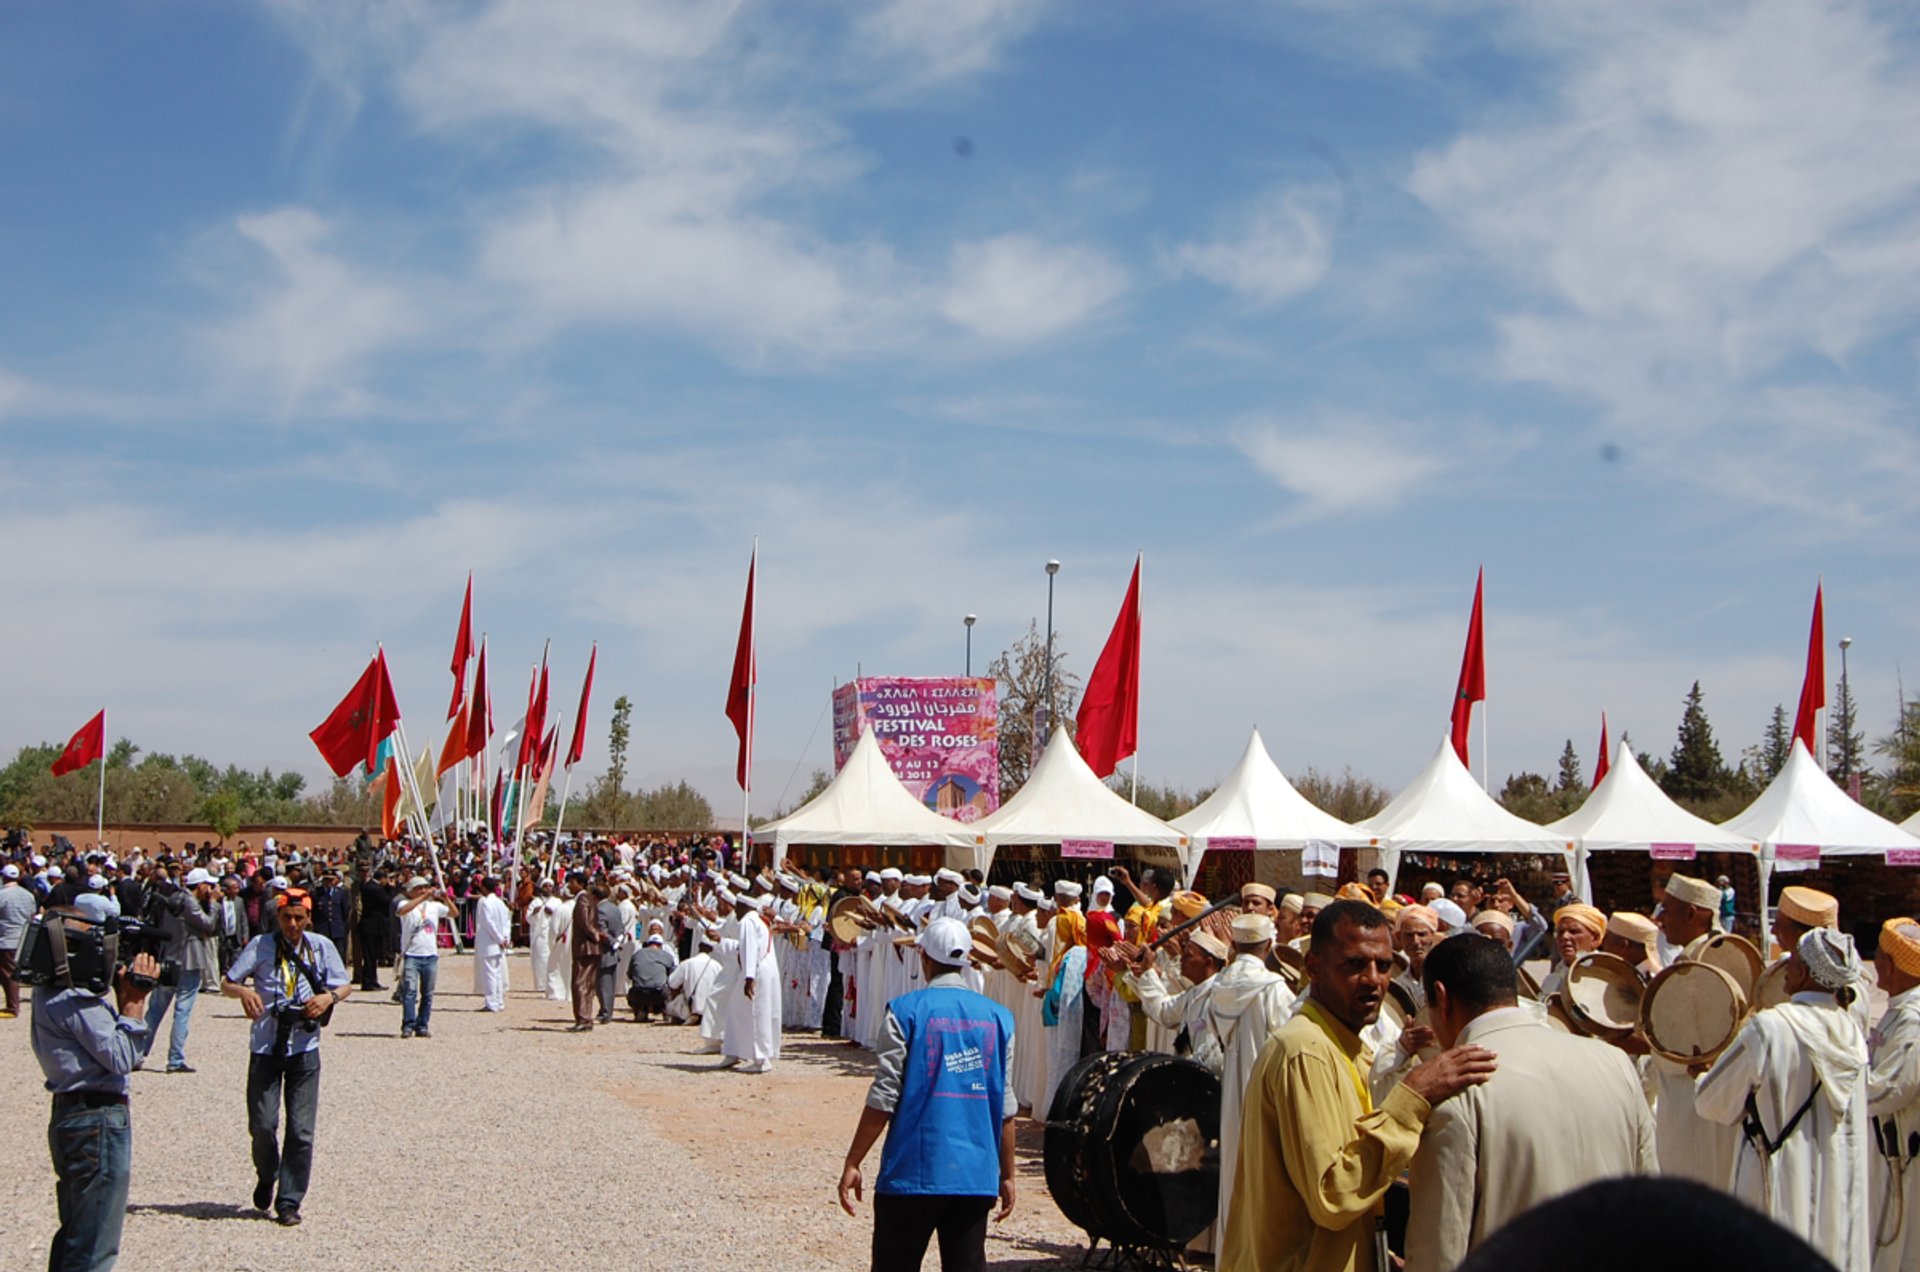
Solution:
(1364, 1041)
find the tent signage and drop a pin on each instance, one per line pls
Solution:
(941, 737)
(1796, 852)
(1903, 856)
(1230, 843)
(1100, 849)
(1673, 852)
(1320, 859)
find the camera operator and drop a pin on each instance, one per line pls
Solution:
(87, 1051)
(298, 977)
(185, 917)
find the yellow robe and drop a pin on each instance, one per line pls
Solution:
(1315, 1158)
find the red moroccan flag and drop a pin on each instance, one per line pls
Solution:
(1601, 765)
(1108, 723)
(479, 711)
(579, 746)
(352, 734)
(1813, 690)
(390, 802)
(462, 650)
(1473, 674)
(746, 674)
(451, 752)
(536, 719)
(84, 747)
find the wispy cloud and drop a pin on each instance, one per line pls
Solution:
(1269, 253)
(1017, 287)
(1339, 463)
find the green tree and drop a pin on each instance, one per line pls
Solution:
(674, 806)
(606, 803)
(1571, 778)
(1348, 797)
(1528, 795)
(1846, 745)
(1021, 671)
(1695, 771)
(221, 812)
(1897, 790)
(1165, 802)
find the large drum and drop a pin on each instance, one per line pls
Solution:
(1133, 1149)
(1737, 957)
(1692, 1012)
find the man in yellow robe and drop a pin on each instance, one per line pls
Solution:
(1316, 1157)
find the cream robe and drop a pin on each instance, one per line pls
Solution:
(540, 938)
(1030, 1058)
(1245, 1004)
(560, 960)
(492, 933)
(1497, 1150)
(753, 1024)
(1690, 1145)
(1893, 1097)
(713, 1021)
(1817, 1184)
(690, 986)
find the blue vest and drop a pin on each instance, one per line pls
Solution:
(944, 1139)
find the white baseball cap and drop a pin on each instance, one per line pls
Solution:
(10, 871)
(197, 876)
(947, 942)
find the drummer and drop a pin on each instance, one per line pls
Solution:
(1287, 928)
(1690, 1146)
(1893, 1100)
(1689, 914)
(1635, 938)
(1800, 911)
(1578, 929)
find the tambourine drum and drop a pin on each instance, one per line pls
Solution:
(1771, 990)
(1601, 996)
(850, 919)
(1017, 949)
(1691, 1012)
(1737, 957)
(985, 952)
(985, 929)
(1290, 963)
(1133, 1149)
(1524, 984)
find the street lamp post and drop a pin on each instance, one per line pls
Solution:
(1846, 721)
(1046, 693)
(969, 621)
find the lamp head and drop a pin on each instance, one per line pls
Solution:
(969, 620)
(1053, 567)
(1845, 641)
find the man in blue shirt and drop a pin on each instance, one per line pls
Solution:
(87, 1051)
(298, 976)
(943, 1093)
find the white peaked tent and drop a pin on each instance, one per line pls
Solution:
(1803, 816)
(868, 805)
(1444, 810)
(1628, 812)
(1064, 800)
(1257, 802)
(1912, 824)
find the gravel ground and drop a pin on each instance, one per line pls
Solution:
(501, 1142)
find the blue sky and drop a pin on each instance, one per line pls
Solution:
(313, 307)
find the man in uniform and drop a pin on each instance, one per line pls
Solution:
(942, 1094)
(1316, 1157)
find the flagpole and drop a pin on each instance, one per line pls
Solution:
(753, 685)
(1484, 759)
(100, 803)
(1139, 568)
(405, 772)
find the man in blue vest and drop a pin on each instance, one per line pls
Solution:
(943, 1094)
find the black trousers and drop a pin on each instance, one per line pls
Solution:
(288, 1163)
(902, 1224)
(836, 991)
(373, 956)
(646, 1001)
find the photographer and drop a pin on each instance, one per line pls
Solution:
(185, 917)
(298, 977)
(87, 1051)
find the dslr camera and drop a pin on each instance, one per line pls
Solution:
(65, 948)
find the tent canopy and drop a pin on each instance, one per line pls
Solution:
(1257, 802)
(1629, 812)
(1444, 810)
(865, 804)
(1912, 824)
(1064, 800)
(1802, 807)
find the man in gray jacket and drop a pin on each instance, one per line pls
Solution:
(17, 905)
(185, 915)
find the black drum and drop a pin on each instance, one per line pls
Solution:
(1133, 1148)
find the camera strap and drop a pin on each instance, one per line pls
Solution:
(57, 939)
(315, 987)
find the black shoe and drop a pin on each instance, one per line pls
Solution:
(181, 1068)
(288, 1218)
(421, 1033)
(579, 1028)
(406, 1033)
(263, 1195)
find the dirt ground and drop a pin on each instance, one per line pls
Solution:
(501, 1142)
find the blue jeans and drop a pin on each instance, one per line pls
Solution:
(295, 1081)
(181, 1000)
(416, 991)
(92, 1161)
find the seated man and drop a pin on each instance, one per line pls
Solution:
(1496, 1150)
(647, 973)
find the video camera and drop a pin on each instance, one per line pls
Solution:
(84, 953)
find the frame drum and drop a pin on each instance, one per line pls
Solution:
(1737, 957)
(1691, 1013)
(1771, 990)
(1601, 996)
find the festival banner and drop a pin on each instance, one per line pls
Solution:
(940, 734)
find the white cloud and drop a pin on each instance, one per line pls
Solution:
(1017, 288)
(1274, 251)
(1711, 219)
(1339, 464)
(946, 39)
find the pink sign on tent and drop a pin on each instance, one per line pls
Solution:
(1796, 852)
(1089, 848)
(1230, 843)
(1673, 852)
(1903, 856)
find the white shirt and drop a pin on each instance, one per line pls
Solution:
(420, 930)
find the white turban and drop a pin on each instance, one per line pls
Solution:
(1831, 958)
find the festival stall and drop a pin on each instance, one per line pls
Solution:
(1802, 818)
(1628, 812)
(867, 806)
(1257, 811)
(1443, 813)
(1063, 804)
